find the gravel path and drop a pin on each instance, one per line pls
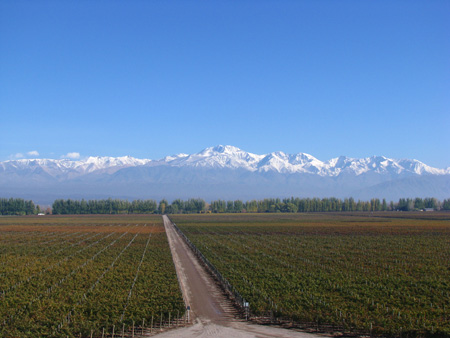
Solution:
(211, 312)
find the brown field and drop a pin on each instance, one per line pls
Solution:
(72, 276)
(81, 223)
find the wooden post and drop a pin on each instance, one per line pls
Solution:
(143, 321)
(160, 322)
(123, 329)
(132, 333)
(113, 331)
(92, 332)
(103, 333)
(178, 317)
(169, 317)
(151, 327)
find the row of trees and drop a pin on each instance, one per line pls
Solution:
(178, 206)
(326, 204)
(108, 206)
(408, 204)
(17, 206)
(118, 206)
(297, 205)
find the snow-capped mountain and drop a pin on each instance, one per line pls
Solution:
(65, 167)
(218, 157)
(233, 158)
(223, 171)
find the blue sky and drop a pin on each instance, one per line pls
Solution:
(154, 78)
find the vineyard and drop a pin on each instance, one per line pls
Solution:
(380, 273)
(85, 276)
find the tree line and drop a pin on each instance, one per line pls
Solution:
(17, 206)
(326, 205)
(107, 206)
(198, 205)
(119, 206)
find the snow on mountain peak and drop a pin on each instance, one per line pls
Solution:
(420, 168)
(218, 157)
(105, 162)
(174, 157)
(285, 163)
(226, 149)
(226, 156)
(220, 149)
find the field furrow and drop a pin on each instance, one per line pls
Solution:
(84, 275)
(380, 275)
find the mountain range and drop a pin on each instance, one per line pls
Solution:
(223, 172)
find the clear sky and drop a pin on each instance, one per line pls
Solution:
(155, 78)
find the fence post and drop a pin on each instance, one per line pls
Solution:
(225, 284)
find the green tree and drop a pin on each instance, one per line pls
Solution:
(238, 206)
(162, 206)
(446, 204)
(291, 207)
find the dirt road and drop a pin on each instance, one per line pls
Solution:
(211, 312)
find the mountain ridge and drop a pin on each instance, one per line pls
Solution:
(232, 157)
(223, 172)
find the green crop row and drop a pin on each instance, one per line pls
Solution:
(385, 276)
(67, 282)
